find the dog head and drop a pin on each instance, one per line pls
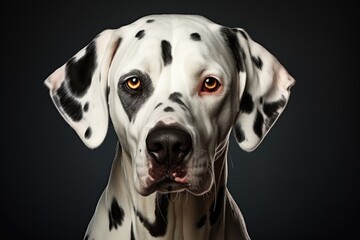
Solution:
(174, 87)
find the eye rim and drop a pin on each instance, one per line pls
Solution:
(212, 89)
(137, 87)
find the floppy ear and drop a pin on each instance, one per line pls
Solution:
(78, 88)
(265, 90)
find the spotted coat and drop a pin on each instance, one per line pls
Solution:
(174, 86)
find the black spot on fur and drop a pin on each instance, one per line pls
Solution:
(80, 72)
(158, 106)
(166, 52)
(233, 45)
(246, 104)
(175, 97)
(159, 226)
(88, 133)
(270, 121)
(241, 32)
(86, 237)
(140, 34)
(150, 20)
(132, 236)
(261, 100)
(242, 52)
(217, 205)
(132, 100)
(239, 133)
(69, 104)
(257, 62)
(86, 107)
(271, 111)
(169, 109)
(116, 215)
(195, 37)
(201, 221)
(271, 108)
(258, 124)
(107, 93)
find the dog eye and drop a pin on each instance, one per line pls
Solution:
(210, 84)
(133, 83)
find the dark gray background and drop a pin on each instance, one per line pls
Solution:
(301, 183)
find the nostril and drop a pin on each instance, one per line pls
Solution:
(168, 145)
(155, 149)
(182, 146)
(154, 146)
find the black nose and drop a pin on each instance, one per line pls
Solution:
(168, 145)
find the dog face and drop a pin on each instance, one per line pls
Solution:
(174, 86)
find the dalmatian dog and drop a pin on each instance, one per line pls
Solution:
(174, 86)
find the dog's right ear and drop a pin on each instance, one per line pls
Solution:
(79, 88)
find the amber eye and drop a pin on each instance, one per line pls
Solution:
(210, 84)
(133, 83)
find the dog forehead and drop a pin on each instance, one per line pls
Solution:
(144, 41)
(175, 20)
(171, 27)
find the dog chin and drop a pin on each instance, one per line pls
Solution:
(164, 185)
(167, 185)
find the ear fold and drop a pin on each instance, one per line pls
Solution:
(265, 95)
(78, 88)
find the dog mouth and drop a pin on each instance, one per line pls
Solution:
(167, 184)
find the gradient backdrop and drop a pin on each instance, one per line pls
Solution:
(301, 183)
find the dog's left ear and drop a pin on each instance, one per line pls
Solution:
(79, 88)
(264, 88)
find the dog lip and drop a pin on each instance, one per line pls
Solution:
(167, 183)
